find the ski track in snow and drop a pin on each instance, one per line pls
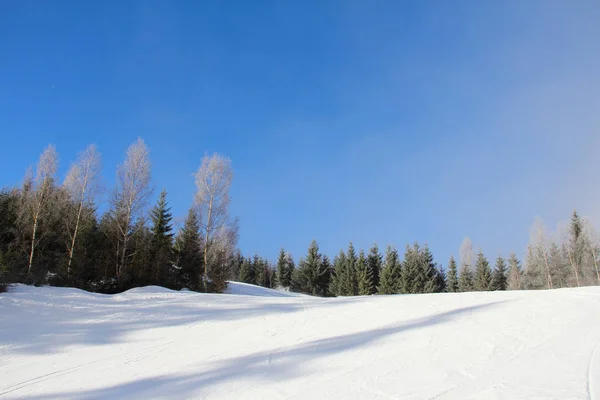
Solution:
(260, 343)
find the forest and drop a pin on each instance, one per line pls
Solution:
(80, 234)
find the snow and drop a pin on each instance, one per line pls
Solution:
(257, 343)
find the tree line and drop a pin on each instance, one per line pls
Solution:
(53, 233)
(570, 261)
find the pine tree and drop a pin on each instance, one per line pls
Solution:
(391, 272)
(465, 279)
(499, 279)
(515, 273)
(189, 252)
(247, 272)
(284, 272)
(482, 280)
(452, 286)
(374, 261)
(364, 276)
(162, 240)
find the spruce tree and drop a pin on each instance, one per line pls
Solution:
(349, 282)
(465, 278)
(482, 280)
(499, 279)
(413, 279)
(339, 266)
(434, 280)
(452, 285)
(374, 261)
(189, 252)
(313, 273)
(247, 272)
(515, 273)
(284, 272)
(162, 240)
(389, 282)
(364, 276)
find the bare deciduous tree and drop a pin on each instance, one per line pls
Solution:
(82, 186)
(131, 196)
(38, 199)
(213, 180)
(539, 247)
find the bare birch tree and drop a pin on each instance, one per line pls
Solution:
(131, 196)
(82, 186)
(538, 246)
(213, 180)
(39, 193)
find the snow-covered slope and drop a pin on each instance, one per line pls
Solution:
(154, 343)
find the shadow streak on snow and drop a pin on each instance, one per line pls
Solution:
(267, 365)
(47, 322)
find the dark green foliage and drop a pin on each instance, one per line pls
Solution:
(247, 272)
(364, 276)
(313, 273)
(374, 261)
(452, 285)
(391, 272)
(263, 272)
(499, 278)
(465, 279)
(432, 274)
(285, 268)
(419, 272)
(188, 249)
(235, 264)
(482, 280)
(339, 264)
(161, 251)
(349, 284)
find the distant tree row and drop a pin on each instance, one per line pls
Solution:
(51, 233)
(574, 261)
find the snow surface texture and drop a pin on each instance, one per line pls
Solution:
(263, 344)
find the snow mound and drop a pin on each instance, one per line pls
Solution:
(247, 289)
(156, 343)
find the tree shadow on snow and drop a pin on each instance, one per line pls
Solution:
(267, 365)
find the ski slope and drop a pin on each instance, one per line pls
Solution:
(255, 343)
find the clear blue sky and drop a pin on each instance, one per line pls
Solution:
(345, 121)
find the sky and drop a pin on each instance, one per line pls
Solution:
(379, 121)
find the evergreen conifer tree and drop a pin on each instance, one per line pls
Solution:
(162, 240)
(482, 280)
(284, 272)
(465, 278)
(313, 273)
(389, 282)
(364, 275)
(434, 280)
(515, 273)
(189, 249)
(247, 272)
(339, 266)
(452, 286)
(374, 262)
(499, 279)
(412, 278)
(349, 284)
